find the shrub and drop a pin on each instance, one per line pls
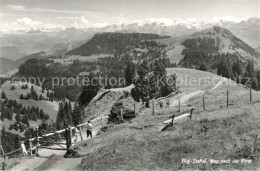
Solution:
(13, 87)
(115, 113)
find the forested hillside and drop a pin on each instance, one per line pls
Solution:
(219, 51)
(112, 43)
(112, 66)
(17, 121)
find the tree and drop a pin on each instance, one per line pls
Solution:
(223, 69)
(258, 77)
(60, 117)
(77, 114)
(18, 118)
(25, 120)
(3, 96)
(13, 87)
(28, 96)
(142, 86)
(21, 97)
(237, 69)
(3, 114)
(153, 84)
(32, 89)
(87, 94)
(203, 67)
(250, 73)
(68, 114)
(129, 73)
(40, 97)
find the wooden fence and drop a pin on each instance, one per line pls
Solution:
(46, 139)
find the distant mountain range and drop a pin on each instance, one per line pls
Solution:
(238, 38)
(17, 45)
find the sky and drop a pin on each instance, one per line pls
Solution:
(51, 14)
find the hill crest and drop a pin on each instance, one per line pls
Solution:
(112, 43)
(218, 40)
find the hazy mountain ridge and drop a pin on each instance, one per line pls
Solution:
(248, 31)
(10, 52)
(8, 64)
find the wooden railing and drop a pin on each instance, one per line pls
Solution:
(34, 143)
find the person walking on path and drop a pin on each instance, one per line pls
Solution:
(89, 129)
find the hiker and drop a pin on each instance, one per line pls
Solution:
(76, 134)
(161, 103)
(89, 129)
(168, 103)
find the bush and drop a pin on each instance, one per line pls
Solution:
(115, 113)
(13, 87)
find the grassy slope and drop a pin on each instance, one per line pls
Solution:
(101, 104)
(175, 54)
(50, 108)
(218, 132)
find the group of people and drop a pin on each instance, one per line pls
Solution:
(89, 131)
(161, 103)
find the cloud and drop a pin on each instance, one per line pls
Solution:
(226, 18)
(17, 7)
(168, 21)
(100, 25)
(28, 21)
(27, 24)
(23, 8)
(84, 20)
(80, 22)
(67, 11)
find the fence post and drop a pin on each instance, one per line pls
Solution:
(134, 110)
(121, 113)
(80, 133)
(3, 152)
(172, 120)
(101, 122)
(203, 102)
(250, 93)
(153, 106)
(24, 149)
(37, 141)
(30, 145)
(191, 112)
(179, 104)
(67, 138)
(70, 136)
(3, 163)
(227, 98)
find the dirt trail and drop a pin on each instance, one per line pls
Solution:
(31, 163)
(184, 98)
